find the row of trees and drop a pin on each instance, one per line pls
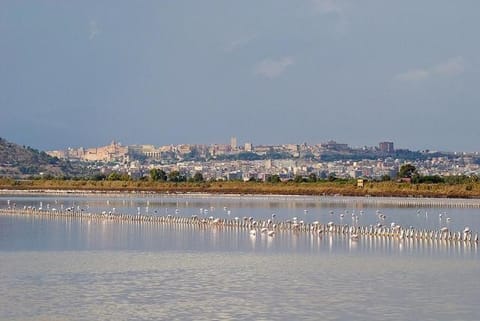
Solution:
(174, 176)
(156, 175)
(410, 172)
(406, 172)
(159, 175)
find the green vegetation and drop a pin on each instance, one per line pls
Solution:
(407, 171)
(176, 176)
(158, 175)
(273, 179)
(198, 177)
(114, 176)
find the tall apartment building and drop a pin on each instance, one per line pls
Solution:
(386, 147)
(233, 143)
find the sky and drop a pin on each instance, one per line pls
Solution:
(84, 73)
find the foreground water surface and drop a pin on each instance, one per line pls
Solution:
(77, 269)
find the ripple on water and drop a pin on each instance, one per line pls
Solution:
(128, 285)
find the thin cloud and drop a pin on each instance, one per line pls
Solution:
(270, 68)
(452, 67)
(335, 8)
(328, 7)
(93, 29)
(239, 43)
(413, 75)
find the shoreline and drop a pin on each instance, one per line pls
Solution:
(371, 201)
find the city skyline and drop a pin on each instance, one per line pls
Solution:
(289, 161)
(248, 146)
(82, 73)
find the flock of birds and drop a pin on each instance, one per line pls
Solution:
(270, 226)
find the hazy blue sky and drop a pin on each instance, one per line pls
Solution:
(81, 73)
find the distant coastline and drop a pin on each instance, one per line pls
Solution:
(374, 189)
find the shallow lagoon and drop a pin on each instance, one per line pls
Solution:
(72, 269)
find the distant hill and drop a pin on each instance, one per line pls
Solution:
(20, 161)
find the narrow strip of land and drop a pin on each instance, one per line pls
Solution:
(345, 188)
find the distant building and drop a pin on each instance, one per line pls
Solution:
(184, 149)
(361, 182)
(268, 163)
(219, 149)
(356, 173)
(248, 147)
(148, 151)
(233, 143)
(113, 152)
(333, 145)
(234, 175)
(292, 148)
(262, 150)
(386, 147)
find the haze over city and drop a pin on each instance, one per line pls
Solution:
(197, 72)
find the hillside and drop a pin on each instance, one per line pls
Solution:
(21, 161)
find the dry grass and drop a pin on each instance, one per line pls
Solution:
(287, 188)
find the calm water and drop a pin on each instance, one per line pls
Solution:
(72, 269)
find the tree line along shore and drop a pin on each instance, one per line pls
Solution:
(466, 189)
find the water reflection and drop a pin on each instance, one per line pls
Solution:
(64, 233)
(64, 268)
(352, 211)
(126, 285)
